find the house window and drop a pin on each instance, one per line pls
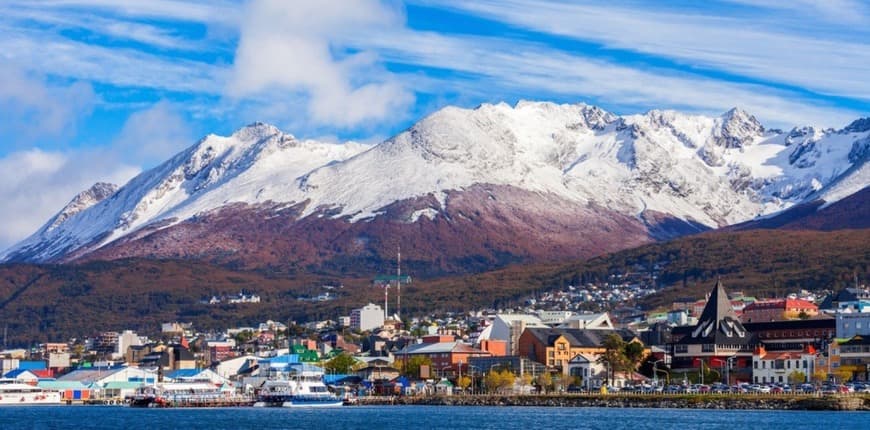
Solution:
(756, 366)
(561, 347)
(681, 349)
(780, 379)
(787, 364)
(708, 347)
(763, 364)
(805, 364)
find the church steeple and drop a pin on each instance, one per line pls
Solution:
(718, 323)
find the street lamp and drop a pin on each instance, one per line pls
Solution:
(459, 379)
(728, 369)
(655, 372)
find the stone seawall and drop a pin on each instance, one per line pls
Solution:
(830, 403)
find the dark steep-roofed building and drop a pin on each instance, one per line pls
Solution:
(718, 337)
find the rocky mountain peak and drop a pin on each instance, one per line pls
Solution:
(860, 125)
(256, 131)
(738, 129)
(83, 200)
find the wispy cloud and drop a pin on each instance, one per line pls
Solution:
(120, 67)
(118, 29)
(834, 11)
(754, 47)
(214, 11)
(528, 69)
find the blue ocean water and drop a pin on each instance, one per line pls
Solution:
(421, 417)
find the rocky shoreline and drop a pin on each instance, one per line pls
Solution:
(827, 403)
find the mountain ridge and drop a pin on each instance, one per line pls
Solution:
(663, 173)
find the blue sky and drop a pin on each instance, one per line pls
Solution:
(99, 90)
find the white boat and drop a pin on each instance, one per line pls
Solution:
(304, 389)
(311, 393)
(15, 393)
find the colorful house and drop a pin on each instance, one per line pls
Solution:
(555, 347)
(783, 367)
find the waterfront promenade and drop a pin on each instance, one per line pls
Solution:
(844, 402)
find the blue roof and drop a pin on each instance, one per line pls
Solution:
(332, 379)
(15, 373)
(183, 373)
(32, 365)
(283, 359)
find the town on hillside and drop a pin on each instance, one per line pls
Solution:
(723, 342)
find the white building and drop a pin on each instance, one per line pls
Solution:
(368, 317)
(589, 322)
(233, 367)
(125, 340)
(344, 321)
(850, 323)
(509, 327)
(592, 373)
(112, 382)
(554, 317)
(777, 367)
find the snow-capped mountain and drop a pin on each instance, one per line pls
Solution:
(534, 180)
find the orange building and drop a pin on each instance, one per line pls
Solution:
(444, 355)
(555, 347)
(778, 310)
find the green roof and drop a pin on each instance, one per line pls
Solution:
(62, 385)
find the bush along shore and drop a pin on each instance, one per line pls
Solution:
(700, 401)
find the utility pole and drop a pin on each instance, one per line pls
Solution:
(399, 281)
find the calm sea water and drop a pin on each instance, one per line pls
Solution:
(421, 417)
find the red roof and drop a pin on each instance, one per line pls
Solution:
(781, 304)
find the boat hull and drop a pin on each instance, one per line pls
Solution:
(313, 403)
(30, 399)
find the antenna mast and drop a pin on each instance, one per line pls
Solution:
(386, 301)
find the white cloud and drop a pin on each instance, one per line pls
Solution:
(835, 11)
(828, 60)
(213, 11)
(500, 66)
(36, 184)
(54, 55)
(152, 135)
(32, 110)
(120, 29)
(292, 50)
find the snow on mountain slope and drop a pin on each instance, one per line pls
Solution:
(255, 164)
(713, 171)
